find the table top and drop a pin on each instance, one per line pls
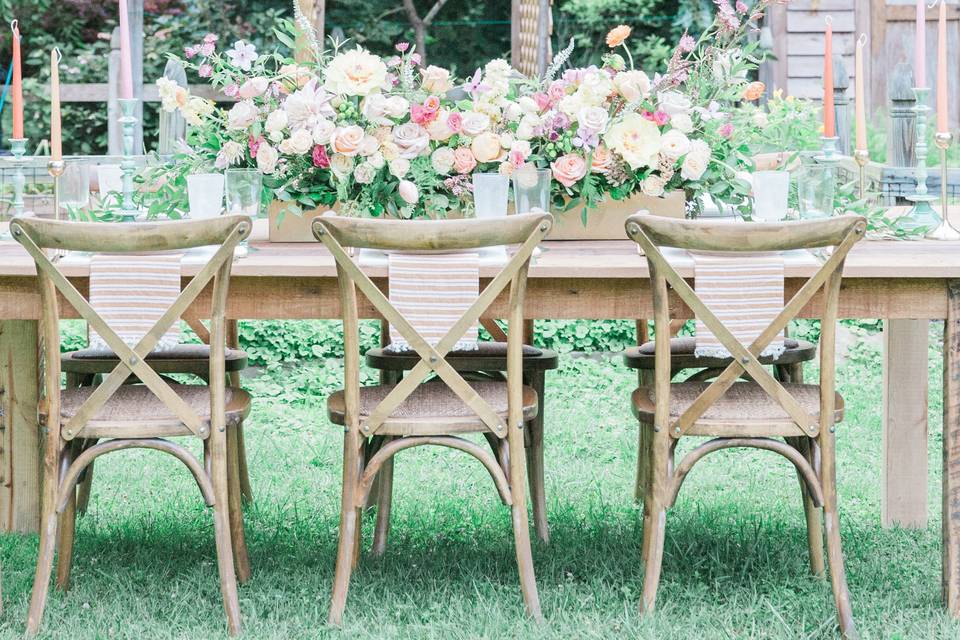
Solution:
(607, 259)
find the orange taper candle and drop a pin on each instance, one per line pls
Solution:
(17, 88)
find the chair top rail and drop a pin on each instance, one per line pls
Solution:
(704, 235)
(430, 235)
(130, 237)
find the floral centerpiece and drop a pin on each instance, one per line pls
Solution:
(385, 136)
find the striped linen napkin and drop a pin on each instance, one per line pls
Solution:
(432, 292)
(745, 292)
(130, 292)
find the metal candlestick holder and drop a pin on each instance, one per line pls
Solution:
(862, 158)
(945, 231)
(56, 168)
(18, 147)
(128, 123)
(828, 159)
(922, 214)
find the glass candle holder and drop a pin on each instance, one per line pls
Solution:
(491, 193)
(205, 194)
(244, 188)
(771, 190)
(815, 192)
(531, 189)
(75, 186)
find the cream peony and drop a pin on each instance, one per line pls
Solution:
(364, 173)
(633, 85)
(636, 139)
(408, 192)
(355, 73)
(653, 185)
(242, 115)
(341, 165)
(411, 139)
(696, 161)
(347, 140)
(436, 80)
(486, 147)
(442, 160)
(399, 167)
(674, 144)
(568, 169)
(267, 158)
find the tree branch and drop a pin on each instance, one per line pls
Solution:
(433, 11)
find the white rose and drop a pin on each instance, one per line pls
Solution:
(276, 123)
(593, 118)
(411, 139)
(242, 115)
(374, 109)
(597, 85)
(674, 144)
(341, 165)
(409, 192)
(355, 73)
(397, 106)
(475, 123)
(436, 80)
(636, 139)
(674, 102)
(442, 160)
(376, 160)
(399, 167)
(696, 161)
(364, 173)
(267, 158)
(527, 127)
(299, 143)
(682, 122)
(512, 111)
(439, 129)
(633, 85)
(254, 87)
(528, 105)
(521, 146)
(573, 103)
(369, 146)
(653, 186)
(323, 131)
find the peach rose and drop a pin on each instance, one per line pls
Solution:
(436, 80)
(463, 160)
(347, 140)
(602, 159)
(754, 91)
(486, 147)
(568, 169)
(617, 35)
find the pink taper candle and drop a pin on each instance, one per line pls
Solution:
(17, 88)
(126, 66)
(829, 128)
(920, 47)
(56, 138)
(942, 87)
(860, 109)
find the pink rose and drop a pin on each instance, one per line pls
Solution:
(320, 158)
(661, 117)
(569, 169)
(543, 101)
(463, 160)
(455, 122)
(422, 115)
(557, 90)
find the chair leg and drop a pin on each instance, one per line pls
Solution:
(48, 533)
(241, 558)
(810, 511)
(221, 522)
(655, 516)
(83, 490)
(349, 525)
(535, 470)
(831, 524)
(643, 435)
(65, 538)
(384, 504)
(521, 525)
(246, 490)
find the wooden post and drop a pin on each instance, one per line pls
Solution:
(900, 140)
(19, 431)
(172, 127)
(905, 386)
(315, 13)
(841, 101)
(951, 451)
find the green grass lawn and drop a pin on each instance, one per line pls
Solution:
(735, 563)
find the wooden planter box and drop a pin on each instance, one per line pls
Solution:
(603, 223)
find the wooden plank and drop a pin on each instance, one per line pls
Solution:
(811, 44)
(19, 431)
(821, 6)
(806, 21)
(951, 453)
(100, 92)
(812, 67)
(905, 386)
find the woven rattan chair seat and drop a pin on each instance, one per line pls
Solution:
(135, 409)
(489, 356)
(433, 408)
(681, 355)
(745, 409)
(184, 358)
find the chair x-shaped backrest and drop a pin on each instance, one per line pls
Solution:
(433, 358)
(745, 359)
(132, 359)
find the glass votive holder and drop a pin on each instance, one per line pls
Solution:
(491, 193)
(815, 192)
(531, 189)
(771, 192)
(244, 189)
(205, 194)
(75, 186)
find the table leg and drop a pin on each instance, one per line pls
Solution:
(905, 386)
(19, 432)
(951, 451)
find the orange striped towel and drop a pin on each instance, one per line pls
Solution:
(131, 292)
(432, 292)
(745, 292)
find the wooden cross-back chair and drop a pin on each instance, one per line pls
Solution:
(85, 423)
(412, 413)
(737, 413)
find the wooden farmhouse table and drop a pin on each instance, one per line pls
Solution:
(905, 283)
